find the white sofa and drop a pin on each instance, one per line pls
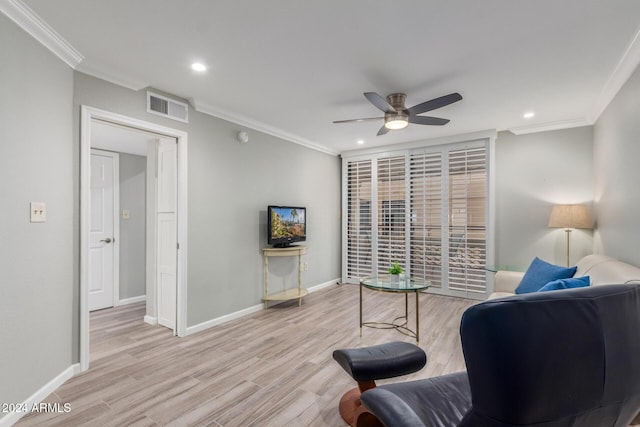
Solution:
(601, 270)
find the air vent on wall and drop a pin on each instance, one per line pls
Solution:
(163, 106)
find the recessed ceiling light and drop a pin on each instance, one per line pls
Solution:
(360, 142)
(198, 67)
(528, 114)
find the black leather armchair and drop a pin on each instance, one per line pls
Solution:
(555, 359)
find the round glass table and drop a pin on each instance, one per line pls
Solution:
(401, 285)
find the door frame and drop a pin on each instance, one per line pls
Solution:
(87, 115)
(116, 221)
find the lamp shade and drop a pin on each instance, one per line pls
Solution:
(570, 216)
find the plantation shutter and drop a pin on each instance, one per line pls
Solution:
(426, 208)
(391, 212)
(425, 197)
(467, 220)
(359, 219)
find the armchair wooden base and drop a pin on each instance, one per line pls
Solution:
(352, 410)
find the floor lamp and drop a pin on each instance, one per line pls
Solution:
(569, 217)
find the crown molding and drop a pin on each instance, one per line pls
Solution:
(35, 26)
(103, 73)
(261, 127)
(625, 67)
(543, 127)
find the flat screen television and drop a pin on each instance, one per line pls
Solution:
(286, 225)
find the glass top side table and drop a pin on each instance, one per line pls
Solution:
(404, 285)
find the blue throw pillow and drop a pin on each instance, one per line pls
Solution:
(540, 273)
(575, 282)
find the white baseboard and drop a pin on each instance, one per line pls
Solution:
(245, 312)
(223, 319)
(150, 320)
(132, 300)
(12, 417)
(324, 285)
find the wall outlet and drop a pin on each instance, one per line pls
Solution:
(126, 214)
(305, 266)
(38, 212)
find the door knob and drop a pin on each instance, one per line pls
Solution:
(107, 240)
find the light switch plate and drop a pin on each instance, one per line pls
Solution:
(38, 212)
(126, 214)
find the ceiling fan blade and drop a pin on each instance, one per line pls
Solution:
(435, 103)
(383, 130)
(426, 120)
(367, 119)
(379, 102)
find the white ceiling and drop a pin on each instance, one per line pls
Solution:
(291, 67)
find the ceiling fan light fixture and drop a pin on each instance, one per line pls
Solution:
(397, 116)
(396, 123)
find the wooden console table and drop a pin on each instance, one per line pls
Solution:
(289, 294)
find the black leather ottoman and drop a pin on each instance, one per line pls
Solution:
(368, 364)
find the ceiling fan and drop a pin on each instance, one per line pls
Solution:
(397, 116)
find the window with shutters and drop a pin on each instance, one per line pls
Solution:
(467, 220)
(359, 219)
(391, 213)
(425, 196)
(427, 208)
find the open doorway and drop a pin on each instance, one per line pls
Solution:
(166, 227)
(118, 217)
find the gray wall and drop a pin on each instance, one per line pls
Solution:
(133, 230)
(533, 173)
(617, 175)
(230, 186)
(37, 264)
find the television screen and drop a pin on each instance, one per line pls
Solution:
(287, 224)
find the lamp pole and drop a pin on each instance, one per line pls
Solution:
(568, 231)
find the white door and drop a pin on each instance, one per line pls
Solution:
(167, 232)
(102, 247)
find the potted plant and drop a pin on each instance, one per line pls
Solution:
(395, 271)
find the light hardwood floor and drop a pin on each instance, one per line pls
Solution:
(273, 368)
